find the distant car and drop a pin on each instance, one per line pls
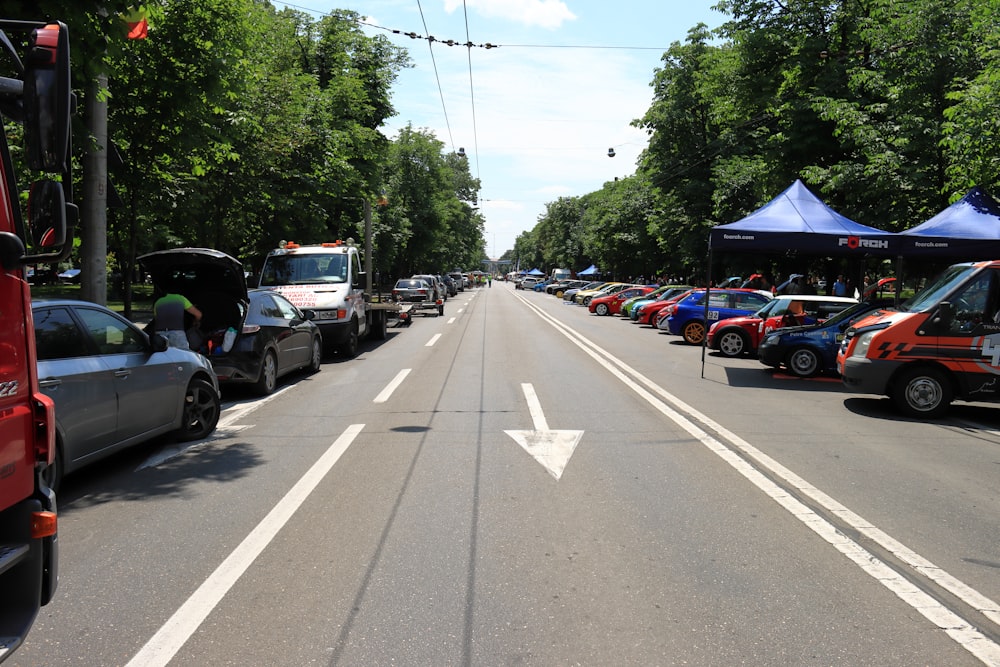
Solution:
(809, 350)
(571, 293)
(114, 386)
(440, 293)
(559, 288)
(461, 282)
(687, 317)
(450, 285)
(739, 336)
(541, 285)
(528, 282)
(253, 337)
(610, 304)
(418, 293)
(648, 312)
(70, 276)
(664, 292)
(584, 297)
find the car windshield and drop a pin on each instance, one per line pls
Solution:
(304, 269)
(410, 284)
(767, 308)
(933, 293)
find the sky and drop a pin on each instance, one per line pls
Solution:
(538, 114)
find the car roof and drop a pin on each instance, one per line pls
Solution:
(816, 297)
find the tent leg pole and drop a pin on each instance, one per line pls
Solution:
(708, 287)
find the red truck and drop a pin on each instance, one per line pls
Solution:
(35, 92)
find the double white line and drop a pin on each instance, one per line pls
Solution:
(941, 616)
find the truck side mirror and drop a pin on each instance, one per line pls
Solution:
(48, 222)
(47, 99)
(11, 250)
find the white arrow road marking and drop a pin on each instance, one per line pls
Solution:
(552, 449)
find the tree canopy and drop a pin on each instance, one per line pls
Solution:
(885, 109)
(239, 125)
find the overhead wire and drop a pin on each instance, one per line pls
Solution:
(472, 92)
(437, 76)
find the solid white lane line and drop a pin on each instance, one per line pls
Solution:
(391, 387)
(433, 340)
(955, 626)
(163, 646)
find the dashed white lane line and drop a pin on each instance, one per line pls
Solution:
(392, 386)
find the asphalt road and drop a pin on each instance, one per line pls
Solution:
(521, 482)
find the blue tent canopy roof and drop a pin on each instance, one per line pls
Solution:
(589, 271)
(535, 272)
(969, 228)
(797, 220)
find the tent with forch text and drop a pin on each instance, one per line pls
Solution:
(797, 220)
(969, 229)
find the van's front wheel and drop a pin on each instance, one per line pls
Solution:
(923, 393)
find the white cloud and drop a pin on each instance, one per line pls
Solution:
(543, 13)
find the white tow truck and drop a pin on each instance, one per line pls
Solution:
(327, 279)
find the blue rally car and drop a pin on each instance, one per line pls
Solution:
(686, 318)
(808, 350)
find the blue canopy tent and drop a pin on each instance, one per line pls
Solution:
(797, 220)
(968, 229)
(589, 271)
(535, 272)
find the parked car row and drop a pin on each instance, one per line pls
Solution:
(117, 383)
(799, 333)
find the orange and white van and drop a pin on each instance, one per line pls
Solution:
(941, 345)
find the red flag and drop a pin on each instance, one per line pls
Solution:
(138, 25)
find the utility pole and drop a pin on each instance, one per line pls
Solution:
(94, 213)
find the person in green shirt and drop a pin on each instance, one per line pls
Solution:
(168, 315)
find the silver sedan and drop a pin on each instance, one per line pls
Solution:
(114, 386)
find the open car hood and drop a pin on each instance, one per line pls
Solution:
(196, 272)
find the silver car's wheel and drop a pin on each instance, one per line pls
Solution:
(201, 411)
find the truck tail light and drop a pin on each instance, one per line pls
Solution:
(44, 418)
(43, 524)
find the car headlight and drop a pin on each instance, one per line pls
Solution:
(863, 342)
